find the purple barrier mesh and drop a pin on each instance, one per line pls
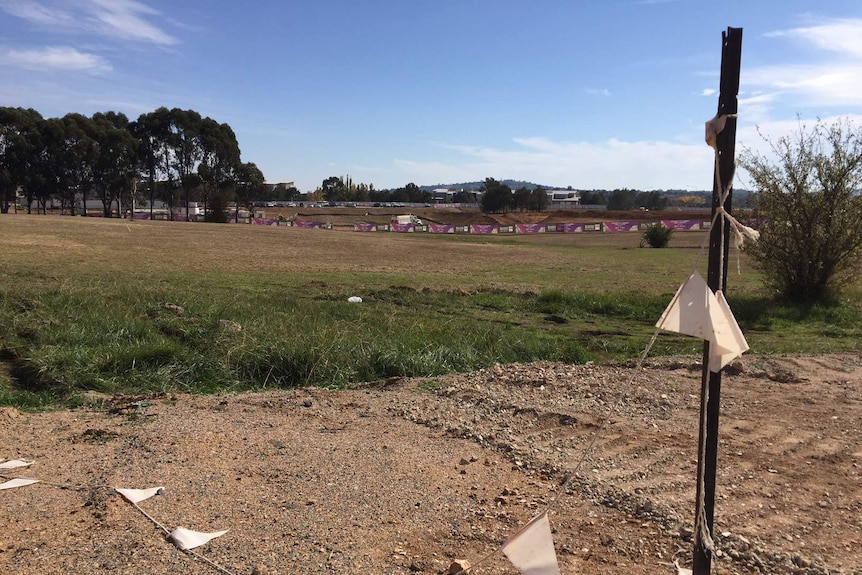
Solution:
(529, 228)
(621, 226)
(570, 228)
(395, 227)
(483, 229)
(441, 228)
(306, 225)
(142, 216)
(365, 227)
(681, 225)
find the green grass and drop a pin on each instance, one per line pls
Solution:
(90, 321)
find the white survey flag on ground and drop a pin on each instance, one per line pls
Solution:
(14, 464)
(20, 482)
(188, 539)
(136, 495)
(531, 550)
(698, 312)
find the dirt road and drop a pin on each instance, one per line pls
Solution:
(405, 476)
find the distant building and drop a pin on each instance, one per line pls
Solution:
(443, 195)
(564, 198)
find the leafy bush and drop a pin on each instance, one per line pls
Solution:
(811, 233)
(657, 236)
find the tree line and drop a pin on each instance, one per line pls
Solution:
(178, 155)
(344, 189)
(499, 197)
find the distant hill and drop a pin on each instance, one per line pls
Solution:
(515, 184)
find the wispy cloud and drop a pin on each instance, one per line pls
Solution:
(607, 164)
(37, 13)
(54, 58)
(598, 91)
(127, 19)
(836, 81)
(123, 19)
(841, 36)
(828, 84)
(709, 92)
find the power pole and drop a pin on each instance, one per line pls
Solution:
(719, 243)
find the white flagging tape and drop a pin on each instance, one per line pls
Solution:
(184, 539)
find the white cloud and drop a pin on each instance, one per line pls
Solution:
(842, 36)
(819, 84)
(124, 19)
(54, 58)
(608, 164)
(709, 92)
(36, 12)
(836, 81)
(598, 92)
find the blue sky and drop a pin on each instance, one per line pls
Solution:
(589, 94)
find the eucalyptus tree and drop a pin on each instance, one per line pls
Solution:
(521, 199)
(82, 147)
(18, 141)
(50, 175)
(152, 131)
(186, 148)
(249, 184)
(218, 166)
(115, 167)
(497, 196)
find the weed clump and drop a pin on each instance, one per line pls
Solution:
(657, 236)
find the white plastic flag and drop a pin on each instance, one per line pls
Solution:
(698, 312)
(20, 482)
(14, 464)
(188, 539)
(733, 344)
(136, 495)
(531, 550)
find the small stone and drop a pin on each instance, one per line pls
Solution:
(735, 367)
(801, 561)
(259, 570)
(307, 403)
(228, 325)
(458, 566)
(174, 308)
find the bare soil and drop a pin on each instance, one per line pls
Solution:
(404, 476)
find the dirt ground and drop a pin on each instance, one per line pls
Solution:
(404, 476)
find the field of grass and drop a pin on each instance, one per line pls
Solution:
(134, 307)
